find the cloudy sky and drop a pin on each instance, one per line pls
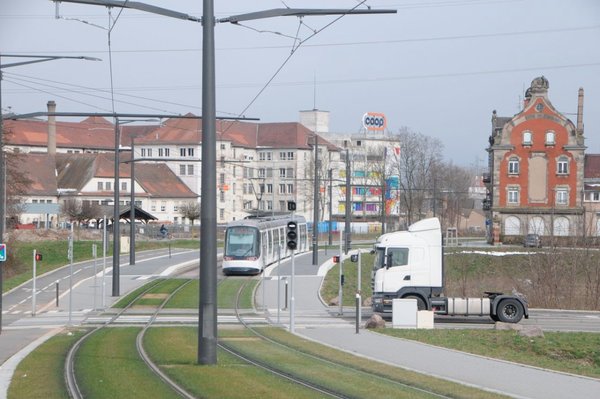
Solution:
(439, 67)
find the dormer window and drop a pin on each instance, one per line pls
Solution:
(550, 138)
(562, 165)
(513, 166)
(527, 140)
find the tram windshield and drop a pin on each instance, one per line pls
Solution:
(242, 242)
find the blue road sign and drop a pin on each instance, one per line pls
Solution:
(2, 252)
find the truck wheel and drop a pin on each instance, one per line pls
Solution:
(510, 311)
(420, 302)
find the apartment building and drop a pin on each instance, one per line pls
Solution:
(260, 166)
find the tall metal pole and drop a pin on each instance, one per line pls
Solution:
(2, 195)
(348, 215)
(329, 238)
(132, 208)
(207, 320)
(383, 193)
(104, 247)
(116, 216)
(315, 235)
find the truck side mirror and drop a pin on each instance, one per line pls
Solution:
(388, 261)
(372, 252)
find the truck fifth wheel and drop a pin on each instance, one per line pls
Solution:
(410, 264)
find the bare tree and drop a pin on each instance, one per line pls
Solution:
(190, 210)
(416, 167)
(16, 182)
(71, 209)
(452, 186)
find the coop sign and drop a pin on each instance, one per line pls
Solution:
(374, 121)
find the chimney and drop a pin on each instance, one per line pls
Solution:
(580, 112)
(51, 128)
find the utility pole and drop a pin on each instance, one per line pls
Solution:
(315, 236)
(383, 187)
(207, 322)
(116, 216)
(132, 208)
(330, 239)
(348, 215)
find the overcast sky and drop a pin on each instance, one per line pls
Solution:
(439, 67)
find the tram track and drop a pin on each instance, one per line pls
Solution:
(319, 388)
(303, 382)
(70, 377)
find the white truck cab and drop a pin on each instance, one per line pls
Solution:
(409, 264)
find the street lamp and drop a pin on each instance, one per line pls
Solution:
(33, 59)
(207, 321)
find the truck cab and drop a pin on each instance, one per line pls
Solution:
(408, 261)
(409, 264)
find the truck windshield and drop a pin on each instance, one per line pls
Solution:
(396, 257)
(379, 258)
(242, 242)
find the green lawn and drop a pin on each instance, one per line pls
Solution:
(577, 353)
(330, 286)
(41, 373)
(107, 365)
(233, 378)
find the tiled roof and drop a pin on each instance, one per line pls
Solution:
(591, 168)
(174, 131)
(92, 133)
(160, 182)
(97, 133)
(41, 170)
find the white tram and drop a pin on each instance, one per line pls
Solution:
(252, 244)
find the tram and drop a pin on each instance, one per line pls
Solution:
(253, 243)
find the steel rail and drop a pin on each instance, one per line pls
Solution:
(332, 363)
(70, 378)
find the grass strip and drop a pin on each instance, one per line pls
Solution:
(186, 298)
(107, 365)
(350, 382)
(572, 352)
(40, 374)
(388, 376)
(230, 378)
(330, 287)
(127, 299)
(159, 292)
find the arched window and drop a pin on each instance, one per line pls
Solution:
(513, 166)
(527, 140)
(562, 165)
(550, 138)
(561, 226)
(512, 226)
(536, 225)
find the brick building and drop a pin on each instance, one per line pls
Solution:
(536, 162)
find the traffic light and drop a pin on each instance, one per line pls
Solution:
(291, 206)
(38, 256)
(292, 235)
(336, 259)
